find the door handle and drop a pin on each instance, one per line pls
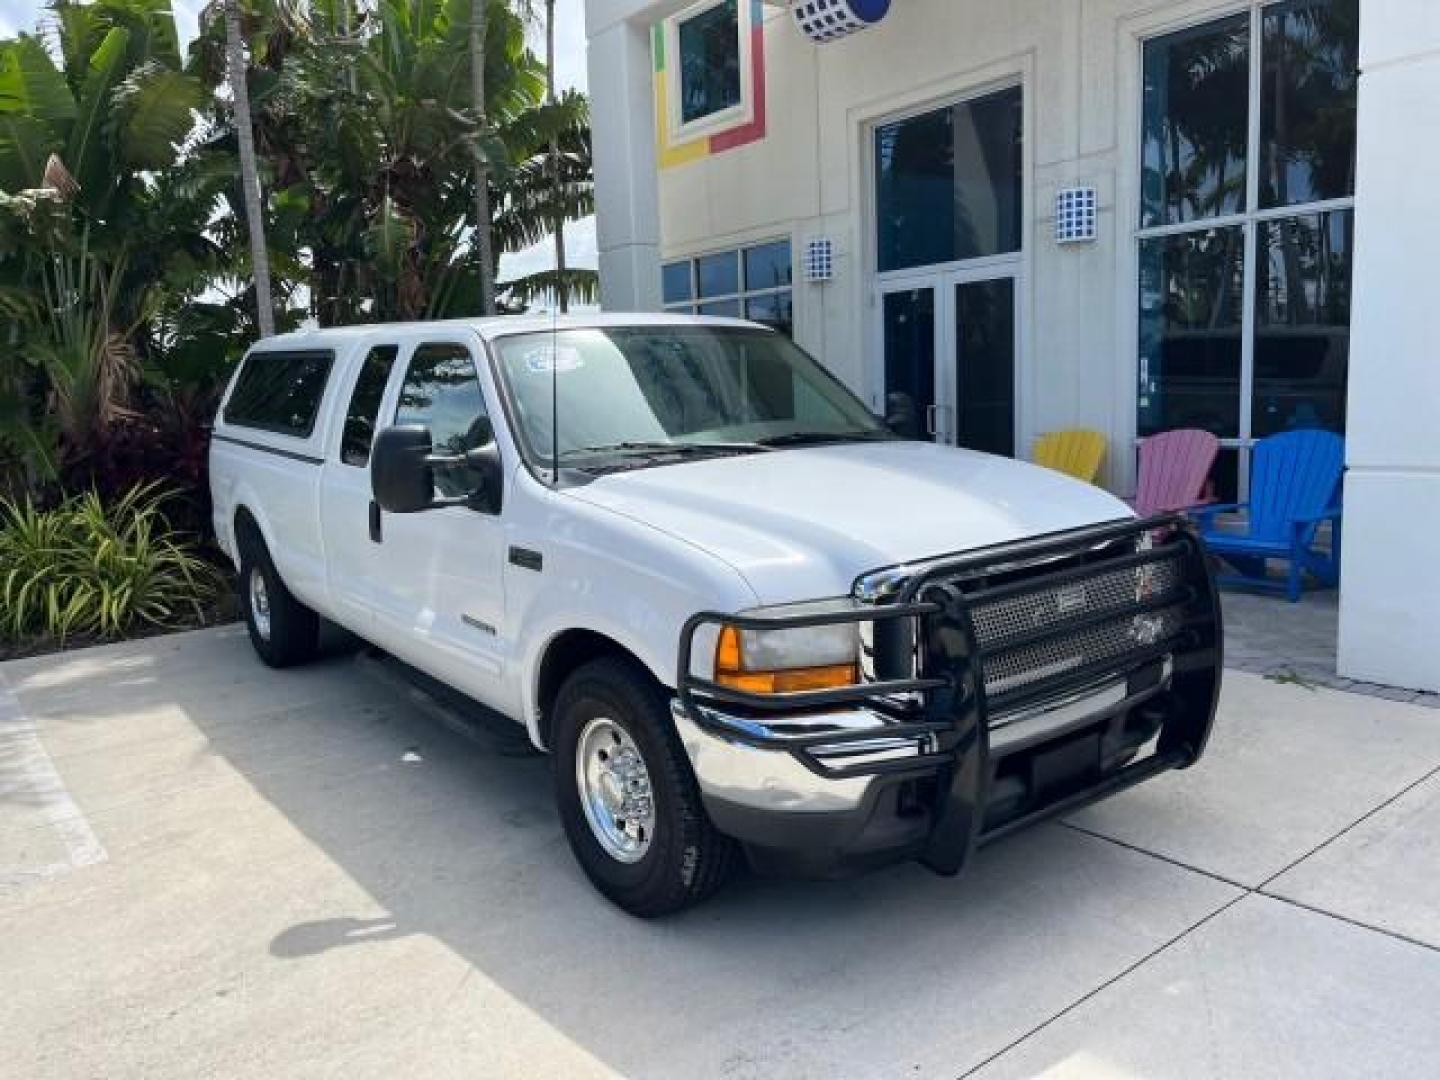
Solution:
(374, 521)
(933, 415)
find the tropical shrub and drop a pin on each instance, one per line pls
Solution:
(94, 570)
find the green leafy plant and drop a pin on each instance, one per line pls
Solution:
(96, 570)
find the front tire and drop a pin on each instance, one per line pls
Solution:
(283, 630)
(628, 799)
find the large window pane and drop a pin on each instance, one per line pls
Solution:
(1307, 101)
(767, 266)
(280, 392)
(948, 183)
(675, 284)
(909, 319)
(1193, 145)
(709, 61)
(1302, 322)
(364, 408)
(441, 392)
(1191, 308)
(772, 309)
(729, 309)
(718, 275)
(985, 365)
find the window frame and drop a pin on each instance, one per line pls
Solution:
(677, 129)
(1250, 219)
(744, 293)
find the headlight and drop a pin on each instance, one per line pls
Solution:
(788, 660)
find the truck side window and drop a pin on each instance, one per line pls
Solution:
(280, 392)
(442, 392)
(364, 407)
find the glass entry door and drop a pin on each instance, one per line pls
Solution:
(949, 347)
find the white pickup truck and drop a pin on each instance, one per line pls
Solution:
(740, 613)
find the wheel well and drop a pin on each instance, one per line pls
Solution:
(247, 531)
(566, 652)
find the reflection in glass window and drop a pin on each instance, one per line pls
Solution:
(772, 309)
(753, 283)
(1196, 89)
(442, 392)
(675, 283)
(948, 183)
(718, 275)
(1307, 101)
(1191, 311)
(709, 61)
(681, 384)
(767, 266)
(279, 392)
(909, 328)
(1197, 146)
(985, 365)
(1302, 316)
(364, 407)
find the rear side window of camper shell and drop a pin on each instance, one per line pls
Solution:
(280, 392)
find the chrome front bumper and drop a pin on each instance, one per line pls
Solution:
(770, 777)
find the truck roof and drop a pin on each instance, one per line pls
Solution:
(498, 325)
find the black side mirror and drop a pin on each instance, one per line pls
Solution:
(901, 415)
(402, 478)
(483, 464)
(402, 472)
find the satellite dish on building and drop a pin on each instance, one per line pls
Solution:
(824, 21)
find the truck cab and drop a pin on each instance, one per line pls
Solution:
(744, 617)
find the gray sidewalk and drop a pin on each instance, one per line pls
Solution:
(1267, 635)
(302, 873)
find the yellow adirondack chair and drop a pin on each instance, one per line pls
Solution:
(1076, 453)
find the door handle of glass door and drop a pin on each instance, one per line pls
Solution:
(933, 417)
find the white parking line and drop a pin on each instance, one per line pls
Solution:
(28, 777)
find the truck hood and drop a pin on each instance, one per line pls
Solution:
(804, 523)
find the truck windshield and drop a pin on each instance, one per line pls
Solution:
(654, 394)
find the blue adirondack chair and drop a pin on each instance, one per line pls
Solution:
(1294, 487)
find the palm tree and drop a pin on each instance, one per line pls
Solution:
(561, 289)
(484, 249)
(85, 221)
(236, 76)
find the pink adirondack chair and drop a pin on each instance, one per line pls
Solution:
(1174, 466)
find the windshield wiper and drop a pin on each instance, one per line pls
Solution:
(656, 447)
(816, 438)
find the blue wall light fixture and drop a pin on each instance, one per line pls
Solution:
(823, 21)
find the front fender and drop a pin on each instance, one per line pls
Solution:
(613, 576)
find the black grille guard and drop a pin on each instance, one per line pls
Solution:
(946, 706)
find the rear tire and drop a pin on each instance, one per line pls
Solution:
(627, 796)
(283, 631)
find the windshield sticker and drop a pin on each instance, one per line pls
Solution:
(538, 361)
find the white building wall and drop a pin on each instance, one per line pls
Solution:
(1390, 603)
(810, 176)
(1079, 61)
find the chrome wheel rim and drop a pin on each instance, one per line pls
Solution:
(259, 603)
(615, 792)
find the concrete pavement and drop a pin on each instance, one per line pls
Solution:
(303, 874)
